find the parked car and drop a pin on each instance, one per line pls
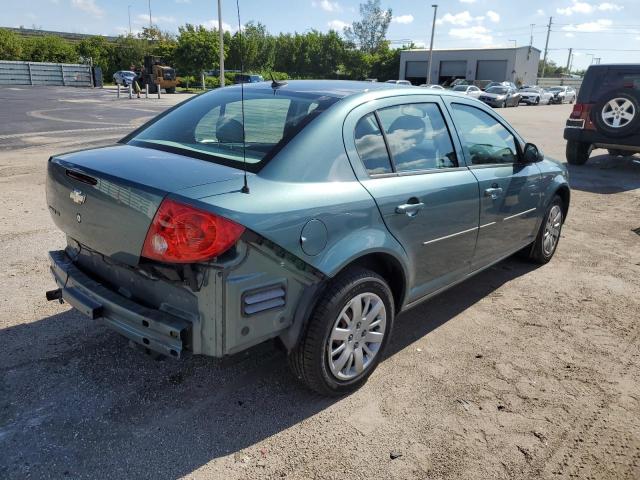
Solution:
(247, 78)
(399, 82)
(607, 113)
(501, 84)
(501, 97)
(124, 77)
(470, 90)
(432, 85)
(535, 96)
(562, 94)
(224, 222)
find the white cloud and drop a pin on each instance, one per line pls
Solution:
(338, 25)
(477, 32)
(569, 35)
(404, 19)
(143, 19)
(88, 6)
(327, 6)
(213, 24)
(583, 7)
(540, 12)
(493, 16)
(605, 7)
(462, 19)
(597, 26)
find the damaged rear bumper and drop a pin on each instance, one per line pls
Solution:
(153, 329)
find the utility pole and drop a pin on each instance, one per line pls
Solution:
(150, 22)
(569, 61)
(433, 30)
(129, 9)
(221, 33)
(546, 47)
(531, 37)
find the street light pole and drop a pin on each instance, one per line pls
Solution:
(150, 23)
(220, 32)
(129, 9)
(433, 29)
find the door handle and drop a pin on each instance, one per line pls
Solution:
(493, 192)
(410, 209)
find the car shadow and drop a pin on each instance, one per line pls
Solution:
(605, 174)
(76, 401)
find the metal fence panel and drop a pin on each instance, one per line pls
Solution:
(547, 82)
(40, 73)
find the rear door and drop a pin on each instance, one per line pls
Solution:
(510, 191)
(404, 155)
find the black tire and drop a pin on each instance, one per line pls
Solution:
(171, 90)
(153, 88)
(503, 104)
(630, 128)
(537, 102)
(577, 152)
(537, 253)
(309, 360)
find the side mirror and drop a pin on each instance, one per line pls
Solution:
(532, 154)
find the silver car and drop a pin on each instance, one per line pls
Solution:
(470, 90)
(535, 96)
(124, 77)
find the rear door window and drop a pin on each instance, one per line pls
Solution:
(371, 147)
(417, 137)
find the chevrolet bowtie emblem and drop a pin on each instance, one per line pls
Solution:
(78, 197)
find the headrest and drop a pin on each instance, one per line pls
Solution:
(229, 130)
(406, 122)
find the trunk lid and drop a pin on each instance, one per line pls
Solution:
(106, 198)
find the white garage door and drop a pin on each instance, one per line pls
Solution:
(494, 70)
(416, 69)
(453, 68)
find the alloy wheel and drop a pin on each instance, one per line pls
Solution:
(356, 336)
(618, 112)
(552, 230)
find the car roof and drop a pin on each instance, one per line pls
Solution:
(331, 88)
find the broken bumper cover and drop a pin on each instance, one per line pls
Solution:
(152, 329)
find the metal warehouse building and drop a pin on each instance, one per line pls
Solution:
(495, 64)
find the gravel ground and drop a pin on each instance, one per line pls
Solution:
(520, 372)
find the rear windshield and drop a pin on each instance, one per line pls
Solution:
(210, 126)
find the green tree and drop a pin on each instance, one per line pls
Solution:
(126, 52)
(370, 32)
(49, 48)
(95, 50)
(10, 45)
(254, 47)
(197, 50)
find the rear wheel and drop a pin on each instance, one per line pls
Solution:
(618, 114)
(346, 334)
(546, 243)
(577, 152)
(503, 104)
(171, 89)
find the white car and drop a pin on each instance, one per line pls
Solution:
(124, 77)
(470, 90)
(399, 82)
(563, 94)
(535, 96)
(432, 85)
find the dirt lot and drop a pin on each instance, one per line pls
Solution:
(521, 372)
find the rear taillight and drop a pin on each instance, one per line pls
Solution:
(181, 233)
(577, 110)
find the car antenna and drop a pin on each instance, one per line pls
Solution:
(277, 83)
(245, 187)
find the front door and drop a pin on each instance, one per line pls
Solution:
(429, 202)
(509, 189)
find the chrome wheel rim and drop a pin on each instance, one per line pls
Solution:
(618, 112)
(356, 336)
(552, 230)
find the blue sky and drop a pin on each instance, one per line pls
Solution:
(606, 29)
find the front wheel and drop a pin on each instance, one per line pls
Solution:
(346, 334)
(546, 243)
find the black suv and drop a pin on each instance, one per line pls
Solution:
(607, 113)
